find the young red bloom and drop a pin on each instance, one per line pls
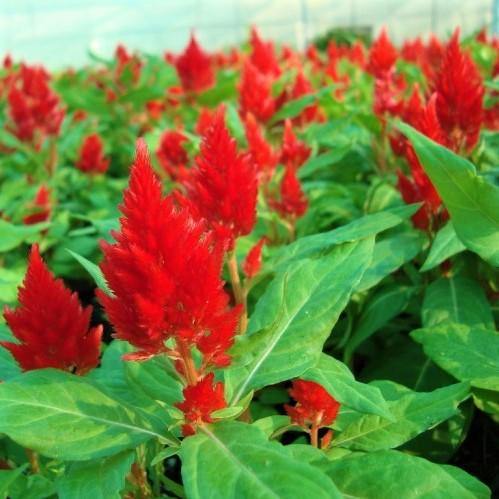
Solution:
(460, 91)
(194, 68)
(388, 95)
(314, 407)
(303, 87)
(293, 203)
(172, 156)
(253, 261)
(263, 56)
(164, 272)
(224, 183)
(204, 120)
(200, 401)
(382, 56)
(92, 158)
(40, 208)
(255, 93)
(294, 152)
(50, 325)
(262, 154)
(155, 108)
(127, 62)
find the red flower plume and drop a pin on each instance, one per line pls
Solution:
(164, 272)
(194, 68)
(460, 91)
(200, 400)
(40, 208)
(302, 87)
(294, 152)
(263, 55)
(92, 158)
(293, 203)
(255, 94)
(50, 324)
(253, 261)
(224, 185)
(204, 120)
(172, 156)
(382, 56)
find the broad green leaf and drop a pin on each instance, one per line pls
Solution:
(165, 454)
(67, 417)
(472, 201)
(242, 463)
(11, 236)
(98, 479)
(32, 487)
(445, 245)
(380, 309)
(469, 353)
(8, 479)
(413, 413)
(337, 379)
(9, 368)
(294, 317)
(322, 161)
(94, 271)
(395, 475)
(10, 279)
(456, 299)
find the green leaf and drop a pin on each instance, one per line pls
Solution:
(445, 245)
(456, 299)
(472, 201)
(67, 417)
(165, 454)
(243, 464)
(93, 270)
(337, 379)
(11, 236)
(413, 413)
(323, 161)
(294, 317)
(469, 353)
(395, 475)
(8, 479)
(99, 479)
(32, 487)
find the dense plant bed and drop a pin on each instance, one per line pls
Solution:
(255, 273)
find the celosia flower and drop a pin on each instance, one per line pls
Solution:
(200, 401)
(314, 407)
(262, 154)
(294, 152)
(263, 55)
(223, 186)
(255, 93)
(127, 62)
(204, 120)
(460, 91)
(388, 95)
(292, 204)
(155, 109)
(91, 159)
(164, 272)
(50, 325)
(303, 87)
(382, 56)
(172, 156)
(194, 68)
(253, 261)
(40, 208)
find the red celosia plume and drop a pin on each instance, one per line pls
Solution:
(40, 208)
(382, 56)
(294, 152)
(292, 203)
(263, 55)
(253, 261)
(172, 156)
(91, 159)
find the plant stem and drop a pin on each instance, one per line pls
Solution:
(33, 460)
(237, 289)
(314, 436)
(191, 374)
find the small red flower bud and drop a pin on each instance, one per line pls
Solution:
(253, 262)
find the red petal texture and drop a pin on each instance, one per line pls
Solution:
(92, 158)
(382, 56)
(164, 271)
(314, 405)
(263, 55)
(194, 68)
(460, 91)
(293, 203)
(172, 156)
(294, 152)
(200, 400)
(50, 324)
(302, 87)
(253, 261)
(224, 183)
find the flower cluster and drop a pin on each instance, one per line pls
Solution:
(91, 159)
(172, 156)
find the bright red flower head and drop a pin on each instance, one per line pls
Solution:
(382, 56)
(172, 156)
(293, 203)
(40, 208)
(200, 401)
(204, 120)
(224, 183)
(263, 55)
(302, 87)
(314, 405)
(92, 158)
(294, 152)
(460, 91)
(164, 272)
(194, 68)
(253, 261)
(50, 325)
(255, 93)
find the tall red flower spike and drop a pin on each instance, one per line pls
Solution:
(253, 261)
(204, 120)
(224, 183)
(164, 272)
(263, 55)
(293, 204)
(460, 91)
(255, 93)
(382, 56)
(262, 154)
(50, 325)
(200, 401)
(40, 208)
(172, 156)
(294, 152)
(92, 158)
(194, 68)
